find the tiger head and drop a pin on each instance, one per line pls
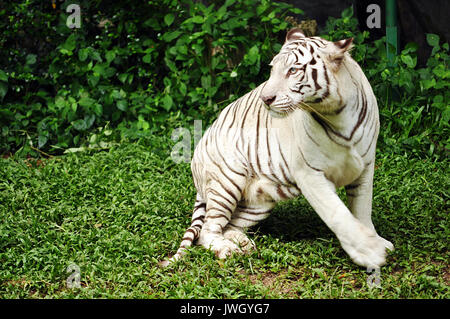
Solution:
(305, 71)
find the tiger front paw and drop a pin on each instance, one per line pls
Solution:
(367, 248)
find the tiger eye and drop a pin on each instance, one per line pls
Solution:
(293, 70)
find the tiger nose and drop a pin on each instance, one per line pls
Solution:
(268, 99)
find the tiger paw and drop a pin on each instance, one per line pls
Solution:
(225, 248)
(240, 239)
(368, 249)
(389, 246)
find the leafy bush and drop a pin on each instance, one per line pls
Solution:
(146, 67)
(413, 101)
(140, 67)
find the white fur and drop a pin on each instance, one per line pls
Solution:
(232, 167)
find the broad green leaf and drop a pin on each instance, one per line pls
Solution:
(168, 19)
(198, 19)
(109, 72)
(441, 71)
(70, 43)
(169, 36)
(86, 101)
(42, 140)
(253, 54)
(122, 105)
(409, 61)
(152, 23)
(123, 77)
(98, 109)
(60, 102)
(446, 115)
(296, 11)
(229, 3)
(79, 125)
(89, 120)
(31, 59)
(347, 13)
(83, 54)
(110, 56)
(3, 76)
(95, 55)
(433, 39)
(206, 81)
(183, 89)
(98, 68)
(167, 102)
(3, 89)
(93, 80)
(147, 58)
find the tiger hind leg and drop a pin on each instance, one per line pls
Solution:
(221, 203)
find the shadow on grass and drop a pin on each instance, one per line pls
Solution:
(293, 221)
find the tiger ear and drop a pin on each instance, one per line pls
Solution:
(338, 50)
(294, 34)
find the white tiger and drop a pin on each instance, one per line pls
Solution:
(311, 128)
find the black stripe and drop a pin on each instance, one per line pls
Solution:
(257, 141)
(228, 166)
(327, 80)
(200, 218)
(229, 192)
(252, 213)
(221, 204)
(351, 195)
(235, 108)
(224, 119)
(326, 128)
(314, 77)
(246, 112)
(340, 110)
(309, 135)
(217, 216)
(216, 193)
(370, 145)
(286, 165)
(281, 193)
(198, 206)
(351, 186)
(306, 162)
(248, 219)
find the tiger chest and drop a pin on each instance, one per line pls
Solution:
(346, 168)
(341, 164)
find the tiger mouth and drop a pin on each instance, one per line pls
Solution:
(278, 113)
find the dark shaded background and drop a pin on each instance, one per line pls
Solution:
(415, 18)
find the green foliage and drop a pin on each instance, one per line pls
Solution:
(146, 67)
(140, 67)
(414, 102)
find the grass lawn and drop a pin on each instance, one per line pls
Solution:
(116, 213)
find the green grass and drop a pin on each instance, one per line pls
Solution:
(115, 214)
